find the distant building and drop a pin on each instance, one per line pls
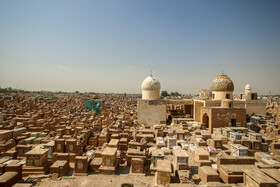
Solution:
(220, 111)
(222, 89)
(251, 103)
(215, 107)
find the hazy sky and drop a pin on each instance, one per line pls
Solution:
(111, 46)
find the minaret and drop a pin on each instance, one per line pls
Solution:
(248, 92)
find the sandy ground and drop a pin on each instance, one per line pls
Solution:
(122, 176)
(99, 180)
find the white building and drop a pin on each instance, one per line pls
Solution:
(151, 109)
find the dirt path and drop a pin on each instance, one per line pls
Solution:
(99, 181)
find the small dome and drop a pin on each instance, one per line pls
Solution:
(222, 83)
(150, 83)
(248, 87)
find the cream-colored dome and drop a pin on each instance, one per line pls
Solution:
(248, 87)
(150, 88)
(150, 84)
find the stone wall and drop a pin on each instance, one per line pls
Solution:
(151, 112)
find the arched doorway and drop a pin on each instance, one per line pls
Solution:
(205, 120)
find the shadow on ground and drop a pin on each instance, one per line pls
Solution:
(122, 170)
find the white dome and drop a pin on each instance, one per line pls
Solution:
(248, 87)
(150, 84)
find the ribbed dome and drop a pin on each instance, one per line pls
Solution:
(248, 87)
(150, 83)
(222, 83)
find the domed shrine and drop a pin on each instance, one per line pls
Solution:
(222, 87)
(150, 88)
(151, 109)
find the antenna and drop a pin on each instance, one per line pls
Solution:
(151, 73)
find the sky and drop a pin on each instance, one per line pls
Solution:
(113, 45)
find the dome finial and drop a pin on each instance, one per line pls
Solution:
(222, 72)
(151, 73)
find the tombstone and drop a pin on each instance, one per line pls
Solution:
(157, 154)
(235, 136)
(256, 145)
(160, 142)
(22, 149)
(123, 144)
(60, 167)
(71, 146)
(239, 150)
(81, 164)
(109, 161)
(208, 174)
(50, 147)
(253, 177)
(163, 173)
(137, 165)
(59, 146)
(181, 158)
(114, 143)
(36, 157)
(171, 142)
(95, 164)
(255, 136)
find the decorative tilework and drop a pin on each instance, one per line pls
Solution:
(222, 83)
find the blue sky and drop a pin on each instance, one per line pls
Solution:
(111, 46)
